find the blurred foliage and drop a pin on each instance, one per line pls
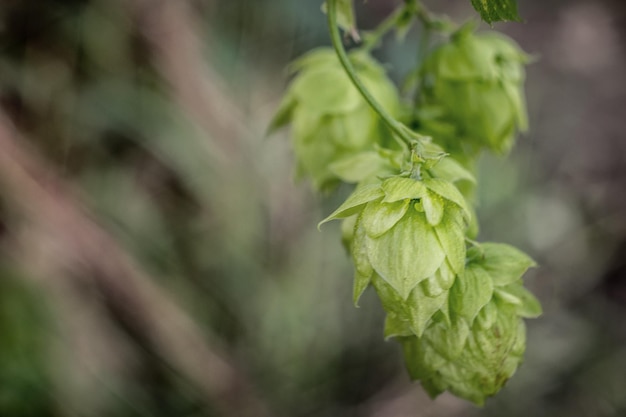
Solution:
(234, 240)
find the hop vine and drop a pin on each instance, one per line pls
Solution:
(456, 306)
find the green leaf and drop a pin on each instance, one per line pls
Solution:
(395, 327)
(451, 236)
(471, 292)
(448, 191)
(504, 263)
(361, 282)
(440, 282)
(363, 269)
(316, 58)
(497, 10)
(448, 341)
(357, 129)
(326, 90)
(345, 16)
(450, 170)
(355, 202)
(359, 250)
(417, 310)
(407, 254)
(433, 207)
(529, 307)
(507, 297)
(398, 188)
(283, 114)
(378, 218)
(421, 359)
(359, 167)
(487, 315)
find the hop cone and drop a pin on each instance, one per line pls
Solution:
(409, 243)
(329, 118)
(474, 92)
(474, 353)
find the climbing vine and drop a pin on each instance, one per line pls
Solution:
(455, 305)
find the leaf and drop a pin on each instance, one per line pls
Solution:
(359, 250)
(423, 308)
(395, 327)
(359, 167)
(529, 307)
(358, 129)
(448, 191)
(363, 268)
(398, 188)
(316, 58)
(507, 297)
(407, 254)
(451, 236)
(417, 310)
(345, 16)
(361, 282)
(504, 263)
(471, 292)
(355, 202)
(421, 359)
(433, 207)
(378, 218)
(450, 170)
(283, 114)
(441, 281)
(497, 10)
(487, 315)
(326, 90)
(448, 341)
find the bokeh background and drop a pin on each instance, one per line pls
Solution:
(157, 257)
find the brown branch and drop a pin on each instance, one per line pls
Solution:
(171, 31)
(86, 253)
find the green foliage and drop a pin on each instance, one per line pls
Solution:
(456, 310)
(329, 124)
(345, 16)
(473, 88)
(497, 10)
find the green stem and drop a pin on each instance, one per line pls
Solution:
(372, 39)
(422, 52)
(402, 132)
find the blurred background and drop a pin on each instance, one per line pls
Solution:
(157, 257)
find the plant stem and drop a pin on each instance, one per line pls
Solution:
(372, 39)
(422, 52)
(402, 132)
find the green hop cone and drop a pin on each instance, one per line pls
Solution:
(369, 166)
(482, 345)
(409, 242)
(330, 120)
(474, 97)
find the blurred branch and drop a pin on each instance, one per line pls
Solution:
(87, 254)
(171, 31)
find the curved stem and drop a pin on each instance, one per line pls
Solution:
(402, 132)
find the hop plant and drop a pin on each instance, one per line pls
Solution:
(409, 242)
(329, 118)
(473, 87)
(457, 312)
(481, 346)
